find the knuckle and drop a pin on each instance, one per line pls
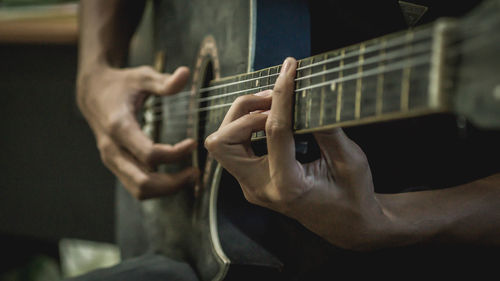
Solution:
(138, 75)
(212, 143)
(146, 70)
(275, 127)
(278, 91)
(241, 102)
(105, 151)
(247, 119)
(139, 194)
(150, 154)
(105, 158)
(139, 191)
(116, 124)
(149, 157)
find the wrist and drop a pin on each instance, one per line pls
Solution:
(90, 64)
(89, 78)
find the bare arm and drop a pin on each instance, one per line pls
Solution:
(466, 213)
(109, 97)
(334, 196)
(106, 28)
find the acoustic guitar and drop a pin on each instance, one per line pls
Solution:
(451, 65)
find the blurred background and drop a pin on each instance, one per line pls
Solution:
(56, 198)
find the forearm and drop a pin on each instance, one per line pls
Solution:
(466, 213)
(105, 31)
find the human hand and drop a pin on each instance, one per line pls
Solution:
(333, 196)
(109, 98)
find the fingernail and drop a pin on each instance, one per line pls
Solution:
(285, 66)
(265, 93)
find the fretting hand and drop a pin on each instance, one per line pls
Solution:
(333, 196)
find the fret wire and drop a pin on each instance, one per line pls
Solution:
(381, 67)
(416, 61)
(322, 101)
(297, 98)
(385, 55)
(380, 82)
(393, 55)
(453, 51)
(267, 77)
(419, 35)
(341, 67)
(422, 60)
(340, 87)
(392, 43)
(308, 101)
(405, 85)
(359, 83)
(183, 123)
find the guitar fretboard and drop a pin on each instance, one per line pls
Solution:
(391, 77)
(384, 78)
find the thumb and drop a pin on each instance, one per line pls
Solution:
(162, 83)
(344, 157)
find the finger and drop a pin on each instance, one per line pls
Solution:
(236, 133)
(137, 180)
(344, 157)
(246, 104)
(280, 142)
(176, 81)
(335, 144)
(128, 133)
(125, 130)
(164, 153)
(162, 83)
(159, 184)
(230, 145)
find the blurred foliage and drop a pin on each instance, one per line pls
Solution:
(33, 2)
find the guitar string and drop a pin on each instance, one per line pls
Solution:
(326, 83)
(179, 122)
(408, 62)
(400, 40)
(451, 52)
(372, 60)
(401, 54)
(473, 44)
(388, 82)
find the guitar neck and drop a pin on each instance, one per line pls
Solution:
(391, 77)
(396, 76)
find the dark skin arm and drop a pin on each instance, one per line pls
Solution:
(334, 196)
(109, 97)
